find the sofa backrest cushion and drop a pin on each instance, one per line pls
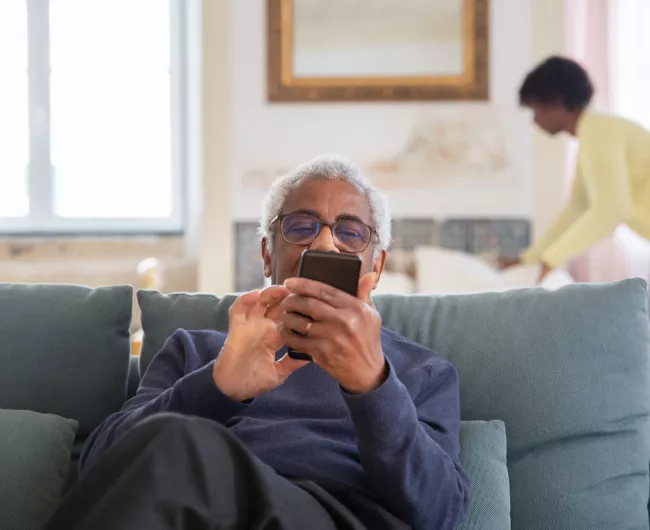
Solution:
(568, 373)
(162, 314)
(64, 350)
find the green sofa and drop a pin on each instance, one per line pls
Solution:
(555, 392)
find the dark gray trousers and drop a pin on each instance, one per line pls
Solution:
(176, 472)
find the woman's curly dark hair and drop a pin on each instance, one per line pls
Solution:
(557, 79)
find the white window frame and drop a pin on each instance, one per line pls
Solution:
(41, 218)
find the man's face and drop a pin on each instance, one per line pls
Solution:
(550, 117)
(327, 200)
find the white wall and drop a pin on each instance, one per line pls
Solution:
(210, 218)
(283, 135)
(550, 162)
(247, 132)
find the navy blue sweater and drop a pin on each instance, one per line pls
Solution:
(398, 444)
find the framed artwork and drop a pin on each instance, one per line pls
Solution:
(392, 50)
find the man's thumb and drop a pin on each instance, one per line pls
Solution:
(286, 366)
(366, 285)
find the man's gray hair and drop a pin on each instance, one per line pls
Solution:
(327, 167)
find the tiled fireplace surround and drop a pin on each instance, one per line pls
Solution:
(491, 238)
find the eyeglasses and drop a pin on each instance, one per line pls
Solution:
(350, 235)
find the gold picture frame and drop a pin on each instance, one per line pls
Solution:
(472, 83)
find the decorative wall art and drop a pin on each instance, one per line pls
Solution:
(369, 50)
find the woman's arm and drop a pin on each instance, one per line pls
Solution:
(604, 171)
(574, 208)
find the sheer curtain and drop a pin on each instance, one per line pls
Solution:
(630, 59)
(629, 29)
(588, 40)
(611, 39)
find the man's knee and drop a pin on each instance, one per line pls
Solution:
(190, 437)
(159, 423)
(166, 424)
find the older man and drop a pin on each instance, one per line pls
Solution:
(366, 436)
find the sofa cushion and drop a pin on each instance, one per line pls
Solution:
(483, 455)
(568, 373)
(64, 350)
(34, 458)
(162, 314)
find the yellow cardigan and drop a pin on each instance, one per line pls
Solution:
(611, 187)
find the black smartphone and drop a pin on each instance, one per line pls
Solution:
(338, 270)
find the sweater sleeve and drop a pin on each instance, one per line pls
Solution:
(574, 208)
(167, 386)
(409, 449)
(605, 173)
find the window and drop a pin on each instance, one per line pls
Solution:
(13, 109)
(94, 138)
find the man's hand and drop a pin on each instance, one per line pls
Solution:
(342, 332)
(246, 367)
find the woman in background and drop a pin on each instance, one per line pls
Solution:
(612, 182)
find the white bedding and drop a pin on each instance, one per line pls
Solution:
(446, 271)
